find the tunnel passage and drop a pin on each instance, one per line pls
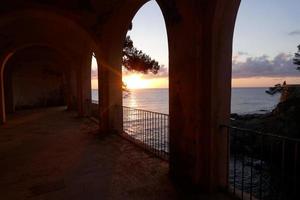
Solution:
(33, 78)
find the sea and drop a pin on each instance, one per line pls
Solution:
(153, 131)
(243, 100)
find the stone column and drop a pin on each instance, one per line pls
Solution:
(73, 90)
(110, 80)
(84, 99)
(80, 101)
(103, 97)
(115, 99)
(200, 41)
(2, 102)
(87, 90)
(8, 90)
(110, 96)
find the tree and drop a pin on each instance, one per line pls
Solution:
(296, 59)
(136, 60)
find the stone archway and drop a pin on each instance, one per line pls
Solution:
(200, 48)
(200, 42)
(70, 40)
(36, 77)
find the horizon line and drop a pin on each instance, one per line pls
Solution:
(245, 87)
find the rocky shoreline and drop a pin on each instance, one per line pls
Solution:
(284, 120)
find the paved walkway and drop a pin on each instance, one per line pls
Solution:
(52, 154)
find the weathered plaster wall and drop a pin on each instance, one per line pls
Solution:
(34, 78)
(35, 85)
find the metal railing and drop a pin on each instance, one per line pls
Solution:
(148, 129)
(263, 166)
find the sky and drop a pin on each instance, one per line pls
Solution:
(149, 34)
(266, 36)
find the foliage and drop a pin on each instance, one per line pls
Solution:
(136, 60)
(296, 59)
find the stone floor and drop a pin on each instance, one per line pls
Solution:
(52, 154)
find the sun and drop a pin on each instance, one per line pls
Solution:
(135, 81)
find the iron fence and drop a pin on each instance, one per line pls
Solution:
(148, 129)
(263, 166)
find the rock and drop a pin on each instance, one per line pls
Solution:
(283, 120)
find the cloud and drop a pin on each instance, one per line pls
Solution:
(163, 71)
(240, 56)
(244, 66)
(295, 32)
(242, 53)
(280, 66)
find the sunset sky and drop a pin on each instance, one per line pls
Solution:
(266, 36)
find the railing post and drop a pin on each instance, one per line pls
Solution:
(296, 169)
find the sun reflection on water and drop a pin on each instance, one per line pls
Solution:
(132, 100)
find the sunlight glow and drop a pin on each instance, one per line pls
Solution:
(135, 81)
(139, 81)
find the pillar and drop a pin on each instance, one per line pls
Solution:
(2, 101)
(87, 85)
(72, 89)
(200, 42)
(8, 90)
(110, 94)
(103, 99)
(110, 77)
(84, 98)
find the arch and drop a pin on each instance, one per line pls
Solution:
(134, 7)
(222, 34)
(199, 37)
(59, 58)
(113, 34)
(200, 51)
(53, 15)
(144, 29)
(12, 50)
(57, 31)
(53, 29)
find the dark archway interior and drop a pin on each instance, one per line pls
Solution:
(34, 77)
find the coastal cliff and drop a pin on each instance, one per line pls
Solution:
(283, 120)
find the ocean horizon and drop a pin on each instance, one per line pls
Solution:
(244, 100)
